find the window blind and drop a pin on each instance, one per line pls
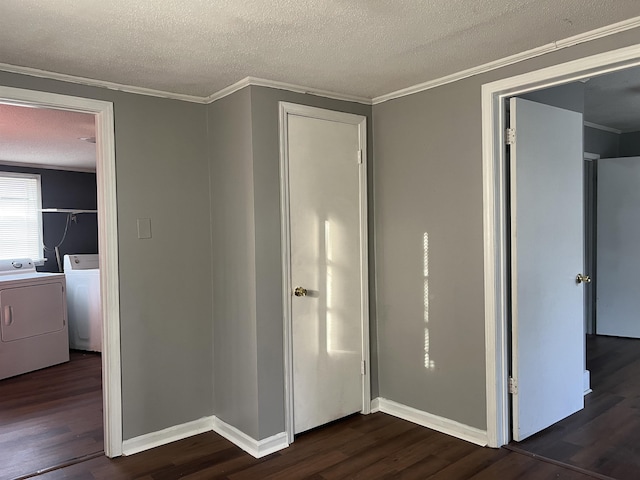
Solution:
(20, 216)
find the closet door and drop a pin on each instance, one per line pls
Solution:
(618, 247)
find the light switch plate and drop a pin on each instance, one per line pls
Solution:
(144, 228)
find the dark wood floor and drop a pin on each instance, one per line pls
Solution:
(375, 446)
(605, 436)
(50, 416)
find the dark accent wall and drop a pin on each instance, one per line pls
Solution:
(630, 144)
(606, 144)
(65, 189)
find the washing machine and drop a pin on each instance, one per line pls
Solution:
(83, 300)
(33, 318)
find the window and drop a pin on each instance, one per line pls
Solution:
(20, 216)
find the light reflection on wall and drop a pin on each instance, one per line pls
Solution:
(428, 363)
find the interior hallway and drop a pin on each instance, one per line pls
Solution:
(605, 436)
(51, 416)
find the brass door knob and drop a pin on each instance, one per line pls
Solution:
(300, 292)
(580, 278)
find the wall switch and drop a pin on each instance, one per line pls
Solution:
(144, 228)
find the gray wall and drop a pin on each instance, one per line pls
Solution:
(428, 172)
(165, 307)
(234, 262)
(629, 144)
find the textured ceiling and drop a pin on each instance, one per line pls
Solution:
(357, 47)
(613, 100)
(46, 137)
(364, 48)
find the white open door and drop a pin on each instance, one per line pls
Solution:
(547, 244)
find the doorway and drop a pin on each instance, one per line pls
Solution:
(325, 299)
(599, 438)
(494, 96)
(107, 244)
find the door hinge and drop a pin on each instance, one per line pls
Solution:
(513, 386)
(359, 157)
(510, 136)
(363, 367)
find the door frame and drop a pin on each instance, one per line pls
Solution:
(287, 109)
(590, 260)
(107, 245)
(494, 95)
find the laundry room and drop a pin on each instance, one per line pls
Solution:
(51, 336)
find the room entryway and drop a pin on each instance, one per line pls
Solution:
(38, 419)
(600, 438)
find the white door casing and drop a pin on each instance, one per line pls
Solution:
(494, 96)
(323, 186)
(547, 253)
(107, 245)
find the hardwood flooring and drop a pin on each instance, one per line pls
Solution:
(51, 416)
(375, 446)
(44, 422)
(605, 436)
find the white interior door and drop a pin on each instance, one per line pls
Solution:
(618, 229)
(547, 245)
(326, 259)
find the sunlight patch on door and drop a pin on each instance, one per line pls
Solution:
(428, 362)
(339, 339)
(329, 285)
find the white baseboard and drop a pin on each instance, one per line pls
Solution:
(434, 422)
(375, 405)
(168, 435)
(587, 382)
(256, 448)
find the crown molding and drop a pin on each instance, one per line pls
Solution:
(91, 82)
(290, 87)
(605, 31)
(233, 88)
(602, 127)
(46, 166)
(512, 59)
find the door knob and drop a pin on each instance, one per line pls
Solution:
(580, 278)
(300, 292)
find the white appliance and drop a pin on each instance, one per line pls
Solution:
(33, 318)
(83, 300)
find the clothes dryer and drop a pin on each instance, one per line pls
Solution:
(33, 318)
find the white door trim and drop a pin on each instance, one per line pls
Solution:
(107, 242)
(287, 109)
(494, 221)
